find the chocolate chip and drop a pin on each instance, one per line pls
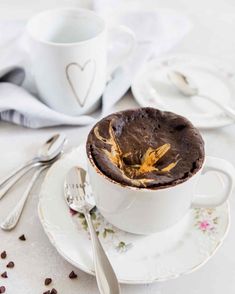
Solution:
(22, 238)
(4, 275)
(3, 255)
(10, 264)
(53, 291)
(2, 289)
(47, 281)
(72, 275)
(47, 292)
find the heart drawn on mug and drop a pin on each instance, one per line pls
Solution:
(87, 73)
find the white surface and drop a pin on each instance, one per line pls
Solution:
(165, 255)
(36, 258)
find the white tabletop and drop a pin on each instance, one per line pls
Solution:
(36, 258)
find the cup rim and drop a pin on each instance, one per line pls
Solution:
(37, 16)
(139, 189)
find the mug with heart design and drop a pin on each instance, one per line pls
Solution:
(68, 51)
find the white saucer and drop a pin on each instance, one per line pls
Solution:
(151, 87)
(136, 259)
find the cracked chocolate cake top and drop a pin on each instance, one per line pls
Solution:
(146, 148)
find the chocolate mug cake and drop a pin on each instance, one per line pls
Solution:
(146, 148)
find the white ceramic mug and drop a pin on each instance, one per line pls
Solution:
(68, 51)
(146, 211)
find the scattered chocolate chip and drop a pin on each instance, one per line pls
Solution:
(4, 275)
(22, 238)
(2, 289)
(47, 292)
(47, 281)
(10, 264)
(53, 291)
(72, 275)
(3, 255)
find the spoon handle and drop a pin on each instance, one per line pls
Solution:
(14, 177)
(13, 217)
(105, 275)
(228, 110)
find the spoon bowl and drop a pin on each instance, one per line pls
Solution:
(182, 83)
(51, 148)
(72, 191)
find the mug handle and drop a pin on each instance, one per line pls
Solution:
(221, 166)
(130, 47)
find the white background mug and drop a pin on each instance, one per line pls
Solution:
(68, 51)
(146, 211)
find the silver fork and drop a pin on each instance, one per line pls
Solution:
(78, 200)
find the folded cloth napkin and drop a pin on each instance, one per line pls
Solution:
(157, 31)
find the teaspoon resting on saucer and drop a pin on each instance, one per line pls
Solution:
(186, 86)
(78, 200)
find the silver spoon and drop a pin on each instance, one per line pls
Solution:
(13, 217)
(78, 200)
(49, 150)
(186, 86)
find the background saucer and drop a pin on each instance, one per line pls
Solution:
(151, 87)
(136, 259)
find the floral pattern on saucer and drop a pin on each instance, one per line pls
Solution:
(104, 230)
(206, 220)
